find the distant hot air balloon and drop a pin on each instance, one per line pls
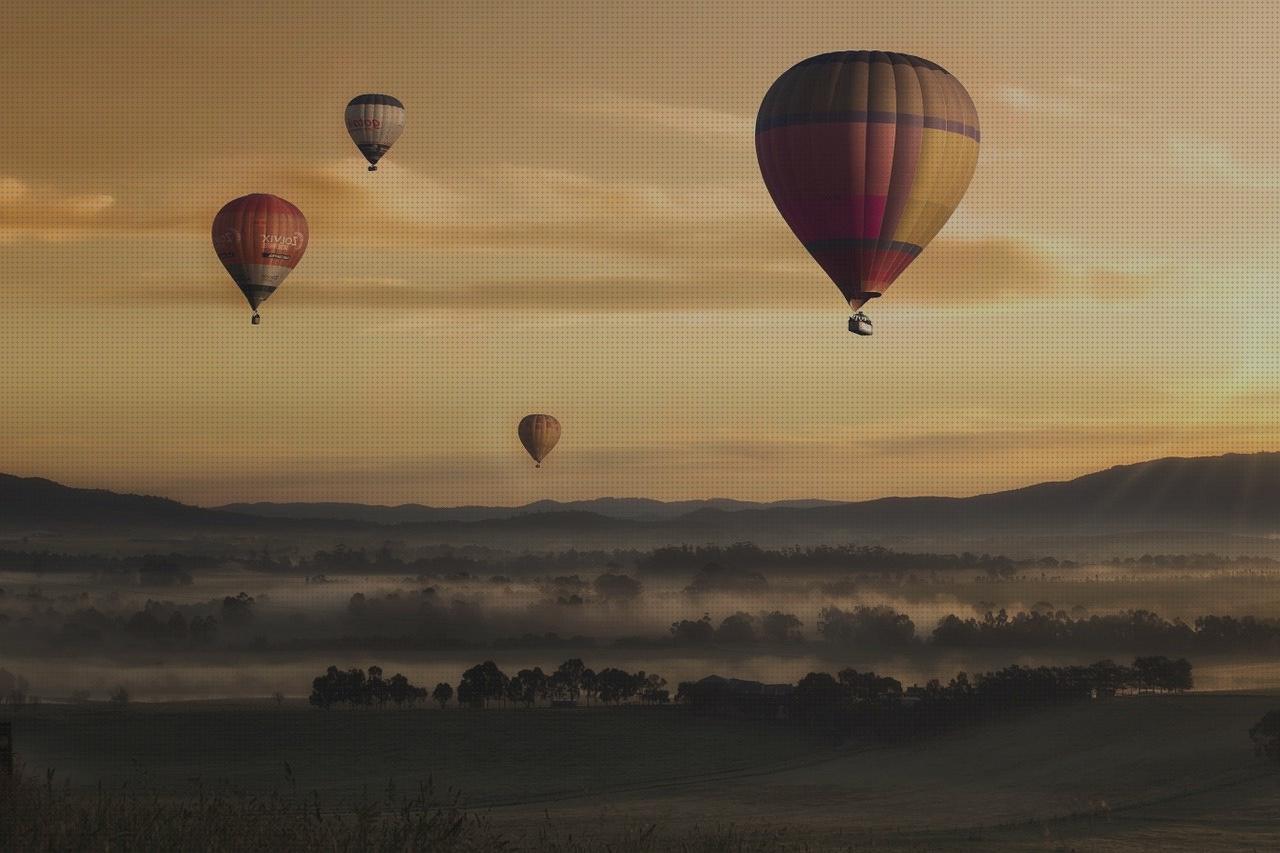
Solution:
(259, 238)
(375, 122)
(539, 434)
(866, 156)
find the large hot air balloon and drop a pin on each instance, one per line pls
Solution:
(539, 434)
(259, 238)
(866, 156)
(375, 122)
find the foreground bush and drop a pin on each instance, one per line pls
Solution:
(44, 816)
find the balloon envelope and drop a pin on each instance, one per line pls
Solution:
(375, 122)
(539, 434)
(866, 156)
(259, 238)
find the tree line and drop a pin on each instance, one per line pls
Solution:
(453, 562)
(867, 702)
(851, 700)
(882, 627)
(486, 684)
(1133, 629)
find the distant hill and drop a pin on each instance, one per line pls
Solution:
(1234, 495)
(635, 509)
(35, 501)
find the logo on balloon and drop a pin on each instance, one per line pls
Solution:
(363, 123)
(283, 241)
(226, 241)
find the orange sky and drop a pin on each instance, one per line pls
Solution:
(573, 222)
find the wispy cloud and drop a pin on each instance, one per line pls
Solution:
(1207, 160)
(48, 213)
(1030, 101)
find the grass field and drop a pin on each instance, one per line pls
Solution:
(1149, 773)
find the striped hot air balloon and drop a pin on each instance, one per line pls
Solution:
(539, 434)
(375, 122)
(259, 238)
(866, 156)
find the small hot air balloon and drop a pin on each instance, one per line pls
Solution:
(375, 122)
(866, 156)
(539, 434)
(259, 238)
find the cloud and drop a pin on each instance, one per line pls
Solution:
(516, 237)
(645, 113)
(950, 274)
(1028, 101)
(1212, 161)
(47, 213)
(971, 272)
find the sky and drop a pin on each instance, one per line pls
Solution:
(573, 222)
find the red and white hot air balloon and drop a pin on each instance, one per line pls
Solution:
(259, 238)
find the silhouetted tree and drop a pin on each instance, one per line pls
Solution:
(779, 627)
(617, 587)
(738, 629)
(691, 632)
(481, 684)
(877, 627)
(237, 611)
(442, 694)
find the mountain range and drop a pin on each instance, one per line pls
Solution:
(1235, 494)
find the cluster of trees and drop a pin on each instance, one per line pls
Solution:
(352, 687)
(882, 627)
(444, 562)
(485, 684)
(474, 563)
(160, 623)
(879, 704)
(776, 628)
(858, 558)
(151, 569)
(866, 626)
(1191, 561)
(1133, 629)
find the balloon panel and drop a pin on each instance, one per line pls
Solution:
(539, 434)
(259, 238)
(375, 122)
(866, 156)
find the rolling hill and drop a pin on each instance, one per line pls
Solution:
(1236, 495)
(636, 509)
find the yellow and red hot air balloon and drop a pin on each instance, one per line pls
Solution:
(866, 155)
(259, 238)
(539, 434)
(375, 122)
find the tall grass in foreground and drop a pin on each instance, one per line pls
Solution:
(44, 816)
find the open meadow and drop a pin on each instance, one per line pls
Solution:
(1132, 773)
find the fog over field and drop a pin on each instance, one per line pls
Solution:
(71, 630)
